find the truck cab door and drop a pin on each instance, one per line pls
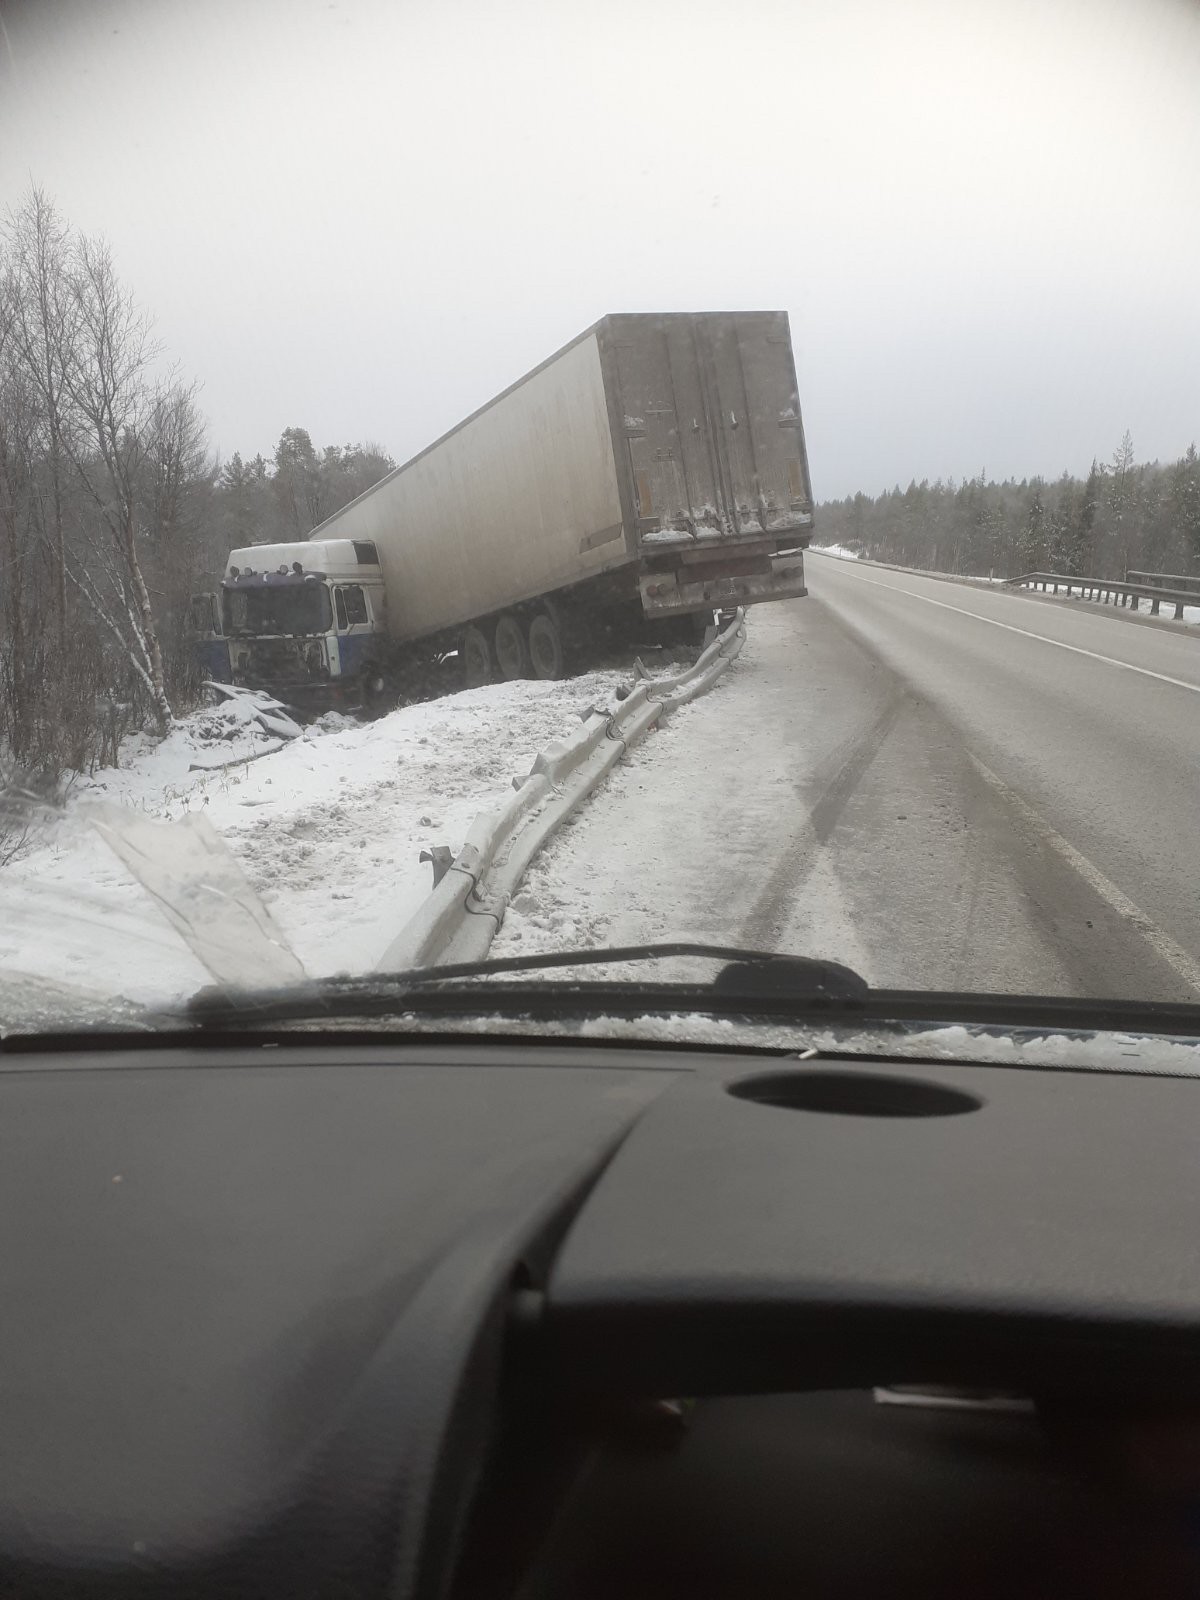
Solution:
(358, 627)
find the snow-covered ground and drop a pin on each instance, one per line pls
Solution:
(328, 829)
(836, 550)
(683, 841)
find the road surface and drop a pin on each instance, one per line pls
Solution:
(943, 786)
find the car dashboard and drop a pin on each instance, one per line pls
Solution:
(480, 1319)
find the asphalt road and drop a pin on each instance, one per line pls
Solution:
(942, 785)
(1071, 741)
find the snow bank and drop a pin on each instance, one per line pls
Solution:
(836, 550)
(328, 829)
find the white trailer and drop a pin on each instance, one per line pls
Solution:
(654, 467)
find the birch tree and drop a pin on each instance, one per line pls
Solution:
(108, 376)
(41, 331)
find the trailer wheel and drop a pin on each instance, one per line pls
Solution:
(476, 652)
(512, 653)
(546, 647)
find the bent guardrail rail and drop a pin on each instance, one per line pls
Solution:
(1126, 592)
(462, 915)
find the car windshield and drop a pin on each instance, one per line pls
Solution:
(754, 448)
(286, 608)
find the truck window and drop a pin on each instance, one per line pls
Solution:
(277, 609)
(356, 604)
(339, 600)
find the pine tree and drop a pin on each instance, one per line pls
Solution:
(1084, 532)
(297, 482)
(1185, 502)
(1062, 540)
(1120, 497)
(1031, 545)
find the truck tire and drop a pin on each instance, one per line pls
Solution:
(546, 653)
(477, 663)
(512, 653)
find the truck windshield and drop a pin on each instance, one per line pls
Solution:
(278, 608)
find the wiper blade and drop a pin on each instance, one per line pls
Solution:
(745, 975)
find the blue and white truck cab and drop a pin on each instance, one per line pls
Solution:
(306, 621)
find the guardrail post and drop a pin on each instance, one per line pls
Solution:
(1133, 602)
(1179, 611)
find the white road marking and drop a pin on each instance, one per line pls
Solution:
(1177, 958)
(1075, 649)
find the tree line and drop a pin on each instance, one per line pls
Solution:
(1123, 516)
(114, 508)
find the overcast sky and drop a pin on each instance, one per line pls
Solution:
(364, 218)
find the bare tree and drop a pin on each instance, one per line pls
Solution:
(20, 524)
(106, 514)
(176, 458)
(42, 311)
(107, 371)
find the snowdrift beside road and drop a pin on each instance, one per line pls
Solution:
(328, 829)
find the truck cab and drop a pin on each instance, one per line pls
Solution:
(306, 621)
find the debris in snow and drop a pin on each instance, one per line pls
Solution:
(235, 761)
(257, 705)
(203, 894)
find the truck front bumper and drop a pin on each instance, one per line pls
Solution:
(668, 594)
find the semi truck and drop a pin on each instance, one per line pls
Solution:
(651, 472)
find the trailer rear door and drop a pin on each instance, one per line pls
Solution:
(711, 421)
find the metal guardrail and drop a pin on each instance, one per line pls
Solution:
(1114, 591)
(460, 918)
(1190, 582)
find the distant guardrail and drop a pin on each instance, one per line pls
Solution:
(1190, 583)
(1156, 587)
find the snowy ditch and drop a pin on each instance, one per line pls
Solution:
(312, 844)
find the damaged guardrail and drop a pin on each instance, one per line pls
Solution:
(461, 917)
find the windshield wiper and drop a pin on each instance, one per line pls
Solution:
(745, 976)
